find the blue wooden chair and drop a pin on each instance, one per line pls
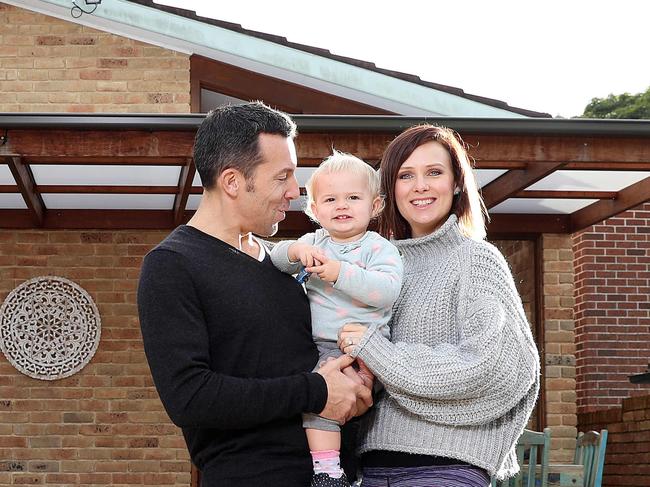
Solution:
(528, 445)
(590, 452)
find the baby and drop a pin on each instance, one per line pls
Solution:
(355, 275)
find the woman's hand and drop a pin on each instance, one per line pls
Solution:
(350, 336)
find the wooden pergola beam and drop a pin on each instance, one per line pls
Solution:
(169, 147)
(86, 189)
(27, 188)
(571, 195)
(295, 224)
(599, 211)
(117, 160)
(516, 180)
(101, 146)
(183, 191)
(578, 150)
(607, 166)
(91, 219)
(515, 224)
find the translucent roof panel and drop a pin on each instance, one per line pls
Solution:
(541, 205)
(589, 180)
(485, 176)
(45, 174)
(298, 204)
(108, 201)
(303, 174)
(193, 201)
(5, 175)
(12, 201)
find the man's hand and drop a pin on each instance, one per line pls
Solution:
(328, 270)
(307, 254)
(345, 397)
(366, 375)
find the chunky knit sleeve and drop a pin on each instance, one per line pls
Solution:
(486, 372)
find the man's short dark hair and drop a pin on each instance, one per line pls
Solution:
(228, 138)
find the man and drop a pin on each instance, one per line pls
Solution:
(227, 336)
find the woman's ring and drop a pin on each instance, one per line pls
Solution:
(350, 341)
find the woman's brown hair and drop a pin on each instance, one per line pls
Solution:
(467, 205)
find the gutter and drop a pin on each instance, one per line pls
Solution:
(338, 123)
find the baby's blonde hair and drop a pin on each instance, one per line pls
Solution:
(342, 162)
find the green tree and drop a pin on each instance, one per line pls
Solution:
(619, 106)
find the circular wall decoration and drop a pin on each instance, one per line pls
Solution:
(49, 328)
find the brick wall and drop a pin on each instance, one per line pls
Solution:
(627, 458)
(52, 65)
(612, 270)
(559, 358)
(104, 425)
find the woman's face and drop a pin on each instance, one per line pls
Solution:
(424, 189)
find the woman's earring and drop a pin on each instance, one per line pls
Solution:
(456, 191)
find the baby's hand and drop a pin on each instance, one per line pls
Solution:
(328, 269)
(308, 255)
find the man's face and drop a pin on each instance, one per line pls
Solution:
(274, 185)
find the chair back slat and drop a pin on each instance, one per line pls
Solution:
(531, 446)
(590, 452)
(532, 463)
(517, 480)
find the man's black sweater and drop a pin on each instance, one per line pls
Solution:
(228, 340)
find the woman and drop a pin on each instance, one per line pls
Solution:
(461, 371)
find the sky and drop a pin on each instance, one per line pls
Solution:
(551, 56)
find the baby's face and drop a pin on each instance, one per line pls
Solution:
(343, 204)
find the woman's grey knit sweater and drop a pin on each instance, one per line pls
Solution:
(461, 371)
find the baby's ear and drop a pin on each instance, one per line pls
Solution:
(314, 210)
(377, 206)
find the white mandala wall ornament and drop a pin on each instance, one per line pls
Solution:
(49, 328)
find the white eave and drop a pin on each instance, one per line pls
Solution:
(189, 36)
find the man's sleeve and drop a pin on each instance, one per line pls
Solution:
(177, 347)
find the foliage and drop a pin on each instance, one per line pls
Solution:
(620, 106)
